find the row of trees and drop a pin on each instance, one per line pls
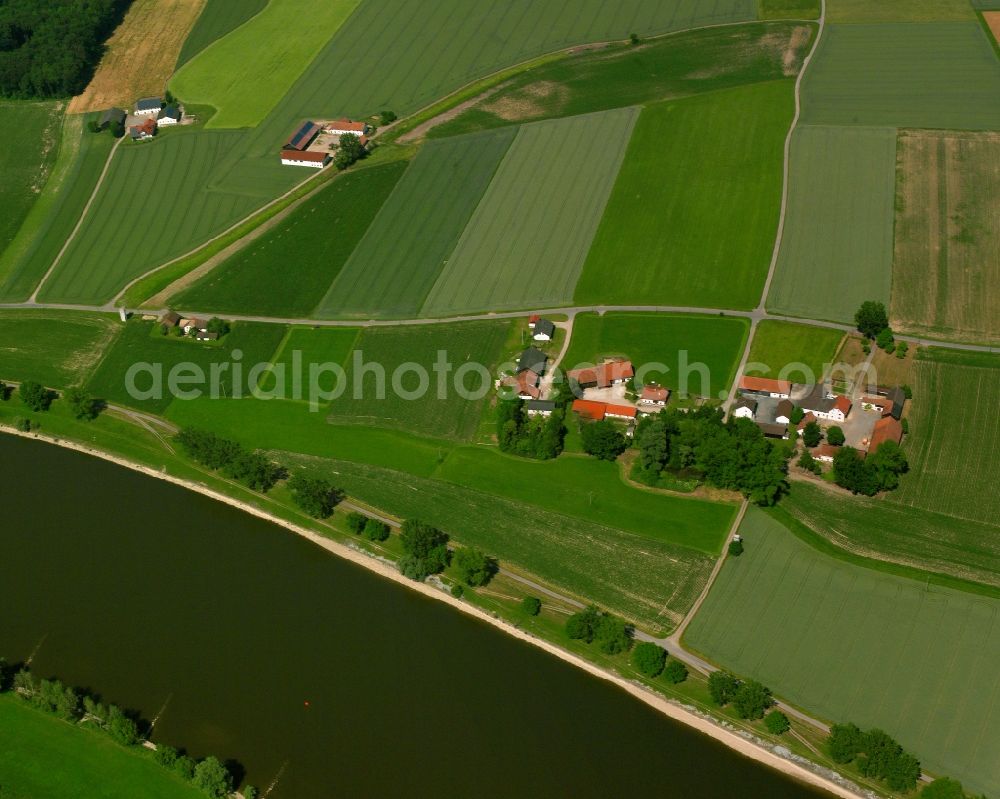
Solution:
(50, 49)
(538, 437)
(651, 661)
(733, 455)
(251, 468)
(38, 398)
(210, 775)
(879, 471)
(875, 754)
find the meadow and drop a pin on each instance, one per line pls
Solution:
(954, 436)
(779, 344)
(920, 75)
(370, 400)
(218, 18)
(899, 11)
(836, 250)
(528, 239)
(55, 348)
(41, 755)
(649, 339)
(675, 66)
(647, 581)
(695, 231)
(30, 133)
(81, 158)
(288, 270)
(244, 90)
(405, 247)
(851, 644)
(314, 345)
(947, 252)
(884, 530)
(139, 343)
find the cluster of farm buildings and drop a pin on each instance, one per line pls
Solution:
(191, 326)
(148, 116)
(312, 142)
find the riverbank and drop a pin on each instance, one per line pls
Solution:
(693, 719)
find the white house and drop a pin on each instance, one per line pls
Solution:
(539, 407)
(783, 413)
(825, 405)
(543, 330)
(339, 127)
(765, 387)
(745, 408)
(316, 160)
(654, 395)
(148, 106)
(171, 115)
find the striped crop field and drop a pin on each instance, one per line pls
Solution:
(899, 11)
(692, 218)
(217, 18)
(854, 644)
(527, 241)
(779, 346)
(947, 261)
(920, 75)
(401, 255)
(836, 251)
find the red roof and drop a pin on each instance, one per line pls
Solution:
(825, 450)
(655, 394)
(886, 429)
(590, 410)
(525, 382)
(533, 318)
(749, 383)
(842, 404)
(883, 403)
(626, 411)
(346, 124)
(305, 155)
(603, 375)
(809, 417)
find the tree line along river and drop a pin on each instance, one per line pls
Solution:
(253, 644)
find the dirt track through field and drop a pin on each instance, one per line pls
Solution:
(141, 54)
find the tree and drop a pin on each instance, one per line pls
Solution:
(581, 626)
(777, 723)
(356, 522)
(844, 742)
(36, 396)
(531, 605)
(885, 340)
(886, 464)
(901, 349)
(117, 129)
(633, 38)
(426, 550)
(852, 473)
(871, 318)
(808, 462)
(315, 496)
(752, 699)
(651, 438)
(736, 547)
(797, 415)
(184, 766)
(387, 117)
(121, 728)
(249, 792)
(165, 755)
(675, 672)
(943, 788)
(457, 591)
(4, 392)
(376, 530)
(350, 150)
(213, 778)
(812, 434)
(217, 325)
(649, 659)
(835, 436)
(613, 635)
(603, 440)
(474, 567)
(722, 686)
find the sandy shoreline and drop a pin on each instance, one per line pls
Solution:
(667, 707)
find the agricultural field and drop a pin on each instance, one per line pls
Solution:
(992, 20)
(81, 158)
(56, 348)
(947, 252)
(306, 346)
(647, 581)
(780, 344)
(649, 339)
(693, 62)
(139, 56)
(920, 75)
(436, 410)
(852, 644)
(218, 18)
(30, 133)
(528, 239)
(287, 271)
(133, 227)
(899, 11)
(41, 755)
(699, 230)
(954, 436)
(245, 90)
(141, 343)
(788, 9)
(836, 250)
(403, 251)
(881, 529)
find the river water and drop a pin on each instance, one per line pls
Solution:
(253, 644)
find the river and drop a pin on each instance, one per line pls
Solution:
(253, 644)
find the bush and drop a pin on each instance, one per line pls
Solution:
(809, 463)
(356, 522)
(835, 436)
(675, 672)
(649, 659)
(531, 605)
(387, 117)
(457, 591)
(777, 723)
(736, 548)
(376, 530)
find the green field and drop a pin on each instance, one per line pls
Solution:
(781, 344)
(695, 229)
(140, 344)
(53, 215)
(30, 133)
(527, 241)
(42, 756)
(218, 18)
(287, 271)
(854, 644)
(885, 530)
(649, 339)
(55, 348)
(920, 75)
(244, 90)
(620, 75)
(836, 251)
(899, 11)
(954, 434)
(788, 9)
(433, 412)
(319, 346)
(646, 580)
(402, 253)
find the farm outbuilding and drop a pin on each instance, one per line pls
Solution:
(148, 106)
